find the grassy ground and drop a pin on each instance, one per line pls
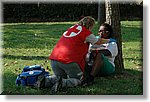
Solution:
(31, 43)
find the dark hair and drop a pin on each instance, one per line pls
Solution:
(108, 28)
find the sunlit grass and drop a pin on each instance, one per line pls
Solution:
(31, 43)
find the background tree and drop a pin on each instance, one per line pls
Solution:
(101, 12)
(44, 12)
(113, 18)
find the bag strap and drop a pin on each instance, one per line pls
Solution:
(30, 68)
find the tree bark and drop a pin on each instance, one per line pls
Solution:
(113, 18)
(101, 12)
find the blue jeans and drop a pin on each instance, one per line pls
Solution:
(71, 73)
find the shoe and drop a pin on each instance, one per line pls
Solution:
(40, 83)
(57, 86)
(49, 82)
(87, 81)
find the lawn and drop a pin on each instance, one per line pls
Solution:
(31, 43)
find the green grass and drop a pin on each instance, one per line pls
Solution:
(31, 43)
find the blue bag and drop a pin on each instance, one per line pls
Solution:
(30, 74)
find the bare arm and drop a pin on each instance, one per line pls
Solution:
(95, 41)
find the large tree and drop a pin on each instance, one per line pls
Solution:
(113, 18)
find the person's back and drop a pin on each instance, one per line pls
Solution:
(72, 46)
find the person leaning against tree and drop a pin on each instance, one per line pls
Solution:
(101, 57)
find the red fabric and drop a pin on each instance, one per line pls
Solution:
(72, 46)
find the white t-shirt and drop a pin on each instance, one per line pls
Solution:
(112, 47)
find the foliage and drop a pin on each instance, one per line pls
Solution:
(31, 43)
(62, 12)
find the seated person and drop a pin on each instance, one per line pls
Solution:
(101, 57)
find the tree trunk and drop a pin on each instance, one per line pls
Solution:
(101, 12)
(113, 18)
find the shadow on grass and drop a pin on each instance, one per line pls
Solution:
(129, 84)
(33, 35)
(135, 59)
(25, 57)
(10, 88)
(45, 35)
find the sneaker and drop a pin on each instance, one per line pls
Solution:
(57, 86)
(40, 83)
(49, 82)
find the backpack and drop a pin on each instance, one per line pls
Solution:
(30, 74)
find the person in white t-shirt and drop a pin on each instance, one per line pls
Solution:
(100, 59)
